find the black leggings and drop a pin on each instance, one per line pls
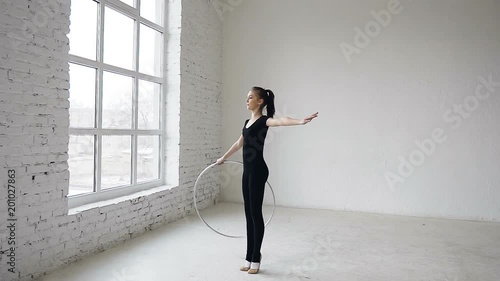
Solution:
(253, 184)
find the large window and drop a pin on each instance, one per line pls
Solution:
(116, 92)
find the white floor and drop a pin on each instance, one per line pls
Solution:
(302, 244)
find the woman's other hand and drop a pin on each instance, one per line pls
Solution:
(220, 161)
(310, 118)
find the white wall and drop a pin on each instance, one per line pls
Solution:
(394, 91)
(34, 120)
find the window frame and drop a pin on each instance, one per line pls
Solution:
(97, 132)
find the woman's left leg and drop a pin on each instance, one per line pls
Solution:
(257, 187)
(248, 217)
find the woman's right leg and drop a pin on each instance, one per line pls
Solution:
(248, 215)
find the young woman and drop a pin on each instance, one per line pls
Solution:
(255, 170)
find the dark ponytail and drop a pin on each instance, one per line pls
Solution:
(268, 97)
(270, 104)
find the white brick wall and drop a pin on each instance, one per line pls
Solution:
(201, 88)
(34, 122)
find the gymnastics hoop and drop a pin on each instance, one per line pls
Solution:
(198, 212)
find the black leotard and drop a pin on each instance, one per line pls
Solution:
(255, 174)
(254, 138)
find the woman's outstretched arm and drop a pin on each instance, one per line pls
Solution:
(287, 121)
(235, 147)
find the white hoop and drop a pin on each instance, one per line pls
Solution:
(196, 207)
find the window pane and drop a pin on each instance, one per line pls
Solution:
(118, 39)
(116, 101)
(149, 105)
(116, 161)
(148, 158)
(82, 96)
(131, 2)
(83, 29)
(153, 10)
(151, 46)
(81, 164)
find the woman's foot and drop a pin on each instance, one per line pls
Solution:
(254, 267)
(246, 267)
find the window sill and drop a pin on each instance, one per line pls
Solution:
(117, 200)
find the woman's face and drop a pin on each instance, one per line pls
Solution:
(253, 101)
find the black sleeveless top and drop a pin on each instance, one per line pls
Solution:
(253, 140)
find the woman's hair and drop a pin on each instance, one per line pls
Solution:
(268, 97)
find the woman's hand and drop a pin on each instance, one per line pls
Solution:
(220, 161)
(310, 118)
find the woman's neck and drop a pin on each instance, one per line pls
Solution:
(256, 115)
